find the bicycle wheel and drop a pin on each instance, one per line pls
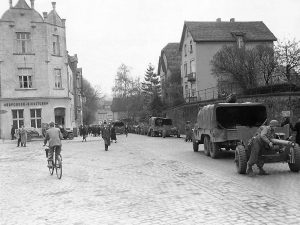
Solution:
(58, 166)
(51, 169)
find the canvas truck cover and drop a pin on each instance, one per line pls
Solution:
(230, 115)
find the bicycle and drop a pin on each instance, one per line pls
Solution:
(57, 165)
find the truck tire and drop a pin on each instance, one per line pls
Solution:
(206, 146)
(195, 145)
(214, 150)
(241, 159)
(295, 167)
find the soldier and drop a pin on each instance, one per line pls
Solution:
(106, 135)
(261, 141)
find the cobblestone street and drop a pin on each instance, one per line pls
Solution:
(132, 183)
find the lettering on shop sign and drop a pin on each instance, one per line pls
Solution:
(18, 104)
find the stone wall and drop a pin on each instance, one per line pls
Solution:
(275, 103)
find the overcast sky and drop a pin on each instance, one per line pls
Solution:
(106, 33)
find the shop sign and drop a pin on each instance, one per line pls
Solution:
(20, 104)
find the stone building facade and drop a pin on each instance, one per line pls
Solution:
(36, 82)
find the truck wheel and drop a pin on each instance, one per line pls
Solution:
(206, 146)
(295, 167)
(195, 146)
(214, 150)
(240, 159)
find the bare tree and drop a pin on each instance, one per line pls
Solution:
(266, 61)
(237, 65)
(288, 56)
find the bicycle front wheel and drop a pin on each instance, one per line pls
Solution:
(58, 166)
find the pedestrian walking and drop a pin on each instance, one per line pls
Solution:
(260, 143)
(188, 131)
(12, 132)
(297, 129)
(23, 136)
(106, 135)
(126, 130)
(18, 136)
(84, 133)
(113, 135)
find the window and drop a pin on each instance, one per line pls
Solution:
(25, 77)
(36, 118)
(240, 42)
(18, 117)
(57, 74)
(191, 46)
(185, 69)
(192, 66)
(186, 91)
(185, 50)
(23, 43)
(56, 45)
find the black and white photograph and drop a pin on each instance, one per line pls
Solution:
(149, 112)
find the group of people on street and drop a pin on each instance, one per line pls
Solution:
(20, 134)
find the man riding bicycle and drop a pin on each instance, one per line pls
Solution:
(53, 135)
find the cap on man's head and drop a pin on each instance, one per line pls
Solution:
(273, 123)
(51, 124)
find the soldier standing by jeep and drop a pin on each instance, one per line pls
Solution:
(260, 142)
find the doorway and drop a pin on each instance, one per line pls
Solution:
(59, 114)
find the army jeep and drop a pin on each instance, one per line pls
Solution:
(163, 127)
(217, 124)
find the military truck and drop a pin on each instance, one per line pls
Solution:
(217, 124)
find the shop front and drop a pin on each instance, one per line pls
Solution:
(33, 113)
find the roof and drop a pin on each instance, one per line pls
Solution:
(224, 31)
(14, 12)
(21, 4)
(173, 56)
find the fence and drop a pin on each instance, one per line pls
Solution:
(275, 84)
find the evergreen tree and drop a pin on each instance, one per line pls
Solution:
(151, 85)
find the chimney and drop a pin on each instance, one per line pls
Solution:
(232, 20)
(32, 4)
(45, 15)
(218, 20)
(53, 5)
(10, 4)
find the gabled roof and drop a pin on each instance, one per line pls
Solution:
(224, 31)
(21, 4)
(173, 56)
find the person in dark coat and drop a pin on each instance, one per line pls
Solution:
(12, 132)
(106, 135)
(297, 129)
(113, 135)
(84, 133)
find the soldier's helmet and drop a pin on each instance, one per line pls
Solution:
(274, 123)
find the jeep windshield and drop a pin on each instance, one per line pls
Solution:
(167, 122)
(248, 115)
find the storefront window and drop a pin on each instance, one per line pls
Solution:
(18, 117)
(35, 118)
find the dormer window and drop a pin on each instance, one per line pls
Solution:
(240, 41)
